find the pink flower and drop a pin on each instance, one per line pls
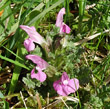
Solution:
(65, 29)
(65, 86)
(40, 65)
(33, 34)
(29, 45)
(41, 76)
(59, 22)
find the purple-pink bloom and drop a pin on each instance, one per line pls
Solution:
(65, 29)
(65, 86)
(40, 65)
(29, 45)
(41, 76)
(59, 22)
(33, 34)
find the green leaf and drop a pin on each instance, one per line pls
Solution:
(14, 27)
(6, 105)
(37, 51)
(1, 95)
(29, 82)
(5, 3)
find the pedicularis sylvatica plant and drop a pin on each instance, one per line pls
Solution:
(51, 59)
(55, 54)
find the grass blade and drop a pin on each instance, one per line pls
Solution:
(14, 62)
(82, 4)
(12, 53)
(17, 70)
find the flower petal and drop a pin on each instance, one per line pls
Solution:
(41, 76)
(59, 20)
(33, 34)
(65, 29)
(58, 87)
(29, 45)
(73, 85)
(64, 77)
(61, 91)
(65, 86)
(56, 84)
(42, 64)
(65, 90)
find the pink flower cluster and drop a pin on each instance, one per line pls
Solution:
(64, 86)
